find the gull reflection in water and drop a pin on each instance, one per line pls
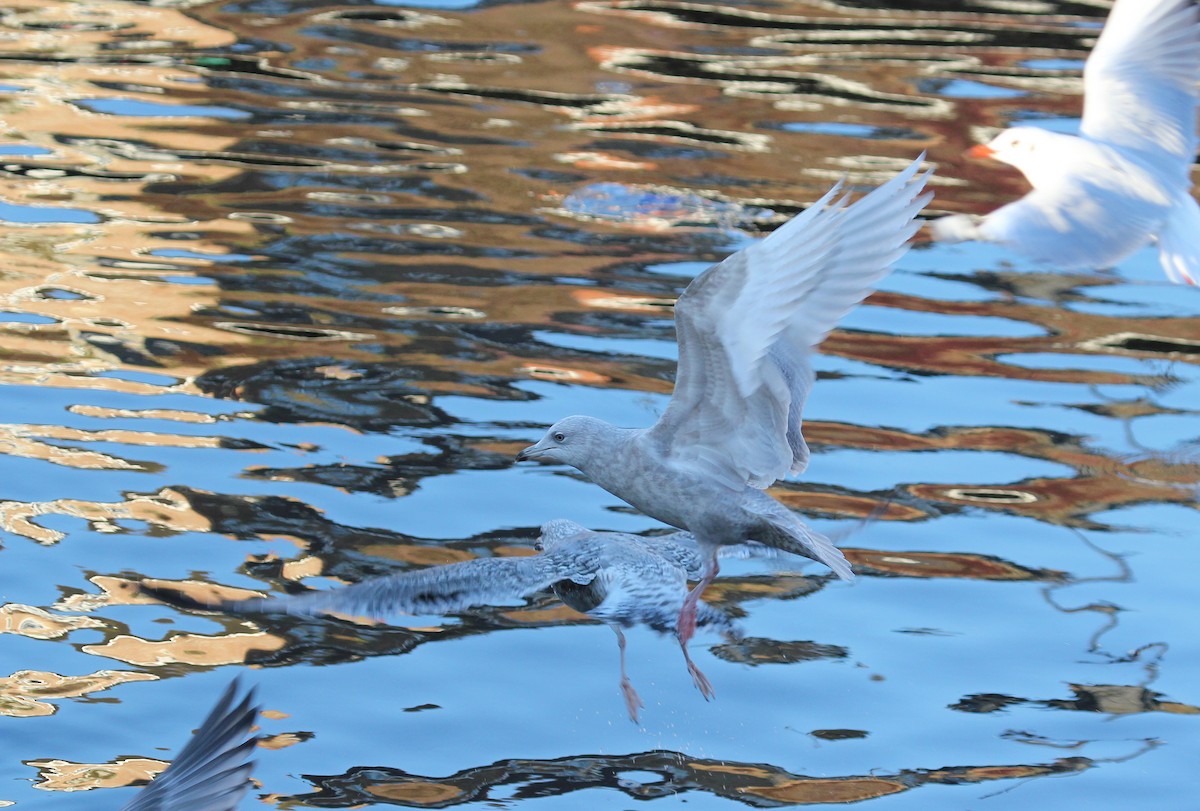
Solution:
(617, 578)
(212, 772)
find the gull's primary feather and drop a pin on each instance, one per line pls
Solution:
(1140, 81)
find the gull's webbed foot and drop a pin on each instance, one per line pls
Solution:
(699, 679)
(633, 702)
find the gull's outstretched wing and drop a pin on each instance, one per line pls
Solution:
(436, 590)
(211, 773)
(1141, 81)
(747, 328)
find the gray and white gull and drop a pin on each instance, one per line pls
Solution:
(212, 771)
(1125, 180)
(617, 578)
(747, 329)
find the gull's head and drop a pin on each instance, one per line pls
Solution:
(1038, 153)
(568, 441)
(557, 532)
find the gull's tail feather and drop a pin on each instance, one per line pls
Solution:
(783, 530)
(1179, 242)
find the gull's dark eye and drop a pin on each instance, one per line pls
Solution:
(560, 437)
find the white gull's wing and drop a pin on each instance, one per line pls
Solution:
(1140, 82)
(436, 590)
(212, 772)
(747, 328)
(1177, 249)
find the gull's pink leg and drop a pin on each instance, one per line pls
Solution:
(686, 627)
(633, 702)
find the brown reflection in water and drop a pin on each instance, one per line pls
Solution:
(62, 775)
(27, 693)
(37, 623)
(943, 564)
(196, 650)
(168, 509)
(1101, 481)
(1113, 699)
(1069, 502)
(754, 784)
(1068, 332)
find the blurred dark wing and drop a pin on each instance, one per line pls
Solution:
(212, 771)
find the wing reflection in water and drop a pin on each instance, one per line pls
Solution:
(614, 577)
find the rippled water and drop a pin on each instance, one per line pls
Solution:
(287, 284)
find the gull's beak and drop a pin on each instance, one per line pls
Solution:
(980, 151)
(525, 455)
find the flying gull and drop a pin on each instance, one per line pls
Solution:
(747, 329)
(617, 578)
(1124, 181)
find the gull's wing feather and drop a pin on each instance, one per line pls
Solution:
(436, 590)
(1177, 249)
(1141, 81)
(1076, 225)
(747, 328)
(211, 773)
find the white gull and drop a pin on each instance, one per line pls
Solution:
(747, 329)
(1124, 181)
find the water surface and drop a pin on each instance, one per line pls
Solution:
(288, 284)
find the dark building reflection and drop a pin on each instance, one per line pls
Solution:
(757, 785)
